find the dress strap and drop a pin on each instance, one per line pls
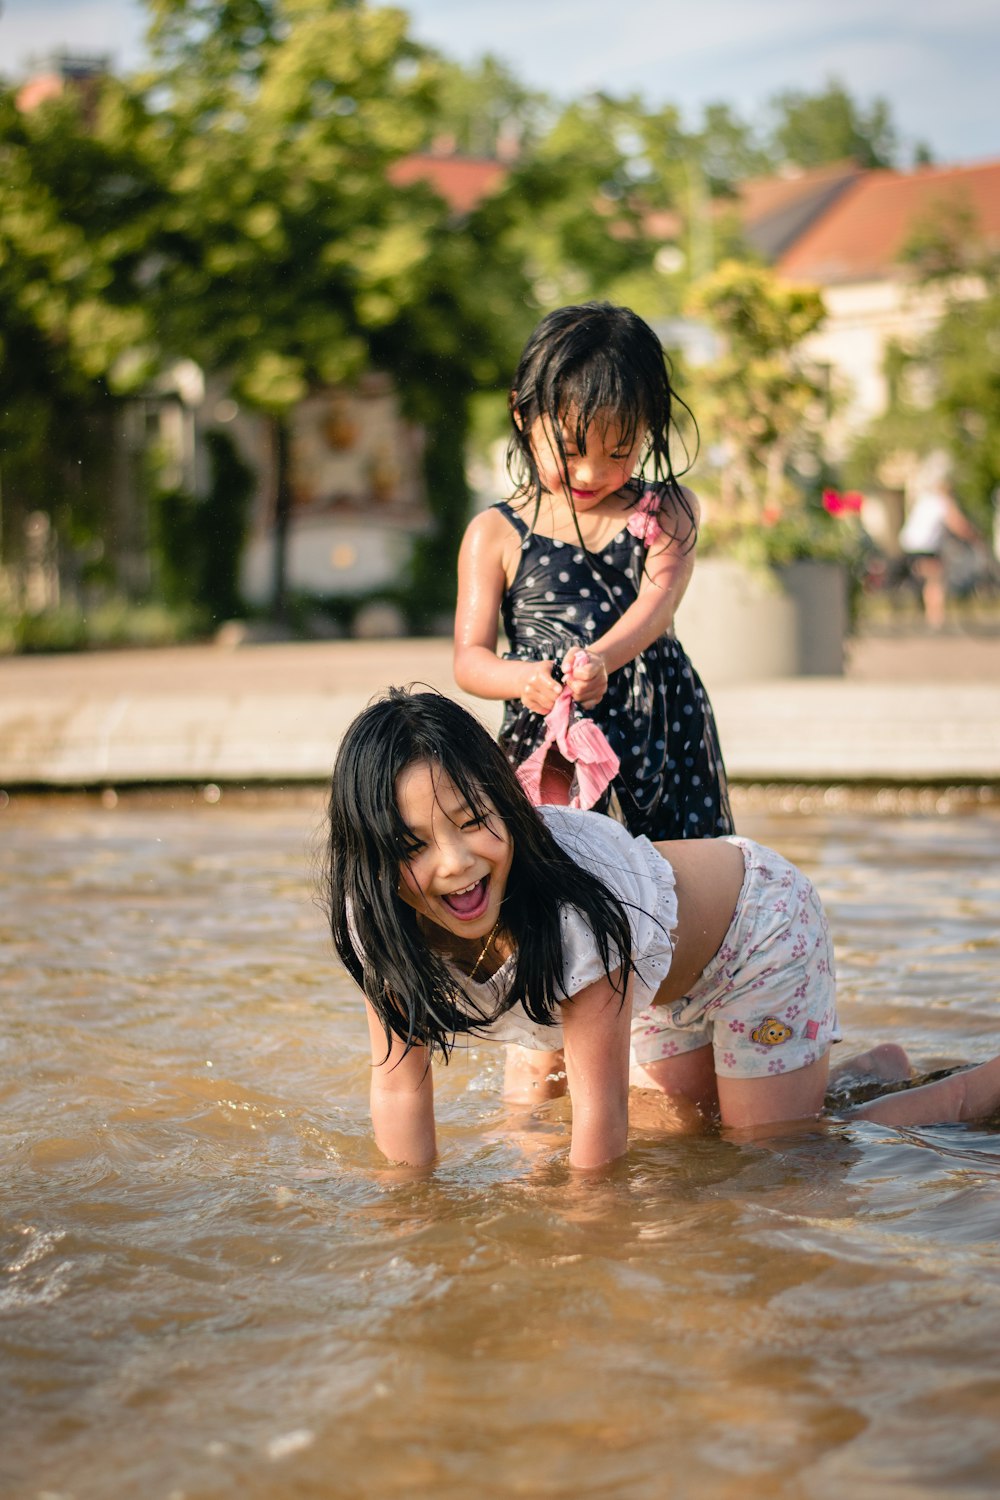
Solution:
(510, 514)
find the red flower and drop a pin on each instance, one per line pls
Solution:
(836, 504)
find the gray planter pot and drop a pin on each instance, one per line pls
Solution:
(741, 624)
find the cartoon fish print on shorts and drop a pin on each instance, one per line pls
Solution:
(771, 1032)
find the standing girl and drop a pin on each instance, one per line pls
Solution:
(699, 968)
(587, 563)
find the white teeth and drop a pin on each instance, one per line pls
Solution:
(465, 889)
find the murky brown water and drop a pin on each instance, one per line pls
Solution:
(210, 1286)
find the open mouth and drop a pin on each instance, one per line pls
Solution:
(470, 903)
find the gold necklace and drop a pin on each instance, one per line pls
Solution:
(486, 948)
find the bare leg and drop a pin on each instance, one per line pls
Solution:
(777, 1099)
(688, 1090)
(971, 1095)
(933, 591)
(532, 1077)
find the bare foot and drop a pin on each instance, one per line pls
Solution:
(885, 1063)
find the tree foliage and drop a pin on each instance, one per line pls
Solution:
(483, 110)
(234, 204)
(757, 400)
(294, 262)
(813, 129)
(944, 390)
(727, 149)
(79, 216)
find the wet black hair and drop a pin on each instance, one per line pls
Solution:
(377, 935)
(592, 359)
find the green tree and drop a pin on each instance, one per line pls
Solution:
(79, 212)
(757, 400)
(574, 209)
(197, 540)
(727, 150)
(293, 263)
(616, 200)
(944, 388)
(812, 129)
(483, 110)
(962, 357)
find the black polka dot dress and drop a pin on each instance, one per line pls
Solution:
(655, 714)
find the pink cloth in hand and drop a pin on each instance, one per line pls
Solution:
(578, 740)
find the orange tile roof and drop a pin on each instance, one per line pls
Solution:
(861, 237)
(462, 181)
(39, 90)
(760, 197)
(777, 211)
(772, 210)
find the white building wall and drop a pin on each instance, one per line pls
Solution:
(863, 318)
(327, 556)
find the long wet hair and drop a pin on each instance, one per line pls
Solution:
(415, 995)
(594, 359)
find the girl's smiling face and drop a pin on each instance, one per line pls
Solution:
(455, 871)
(594, 469)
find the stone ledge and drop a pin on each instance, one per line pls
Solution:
(815, 729)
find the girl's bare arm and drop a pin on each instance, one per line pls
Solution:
(402, 1099)
(482, 579)
(669, 565)
(596, 1027)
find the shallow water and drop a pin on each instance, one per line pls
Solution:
(210, 1285)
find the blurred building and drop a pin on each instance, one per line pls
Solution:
(853, 247)
(357, 491)
(775, 212)
(357, 487)
(462, 181)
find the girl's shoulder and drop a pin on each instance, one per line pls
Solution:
(491, 546)
(595, 841)
(573, 827)
(491, 528)
(670, 497)
(496, 520)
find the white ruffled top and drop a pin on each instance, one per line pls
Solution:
(644, 883)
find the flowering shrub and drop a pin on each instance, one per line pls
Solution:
(763, 411)
(789, 537)
(850, 503)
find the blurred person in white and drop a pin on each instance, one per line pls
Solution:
(934, 516)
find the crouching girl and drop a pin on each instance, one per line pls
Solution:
(702, 968)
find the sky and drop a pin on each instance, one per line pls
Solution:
(936, 62)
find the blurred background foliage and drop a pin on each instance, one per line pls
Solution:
(233, 205)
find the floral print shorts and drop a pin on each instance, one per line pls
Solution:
(767, 1001)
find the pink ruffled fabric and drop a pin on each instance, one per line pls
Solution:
(644, 520)
(578, 740)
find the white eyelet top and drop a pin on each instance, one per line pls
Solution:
(644, 883)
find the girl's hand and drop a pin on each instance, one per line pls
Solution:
(586, 673)
(540, 689)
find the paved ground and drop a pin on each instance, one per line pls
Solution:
(910, 709)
